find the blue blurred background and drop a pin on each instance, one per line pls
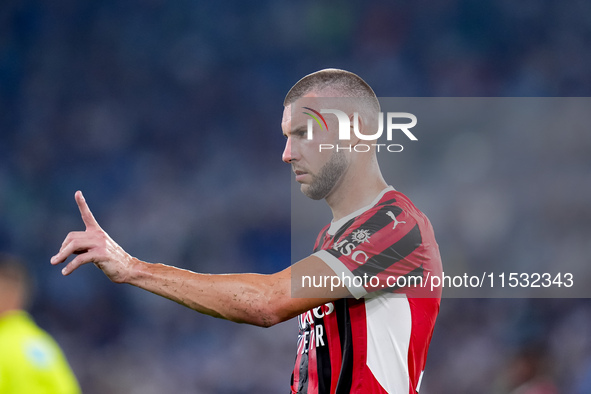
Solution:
(167, 115)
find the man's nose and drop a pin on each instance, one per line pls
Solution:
(288, 153)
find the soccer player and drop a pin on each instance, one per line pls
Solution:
(30, 360)
(369, 337)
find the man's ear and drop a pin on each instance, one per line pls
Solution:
(354, 139)
(367, 128)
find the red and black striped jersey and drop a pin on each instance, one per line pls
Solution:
(376, 342)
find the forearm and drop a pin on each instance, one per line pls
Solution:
(242, 298)
(261, 300)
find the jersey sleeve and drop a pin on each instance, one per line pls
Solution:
(376, 250)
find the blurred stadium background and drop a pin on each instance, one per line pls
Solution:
(167, 115)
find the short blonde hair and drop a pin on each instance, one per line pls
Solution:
(335, 83)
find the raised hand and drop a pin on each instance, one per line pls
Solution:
(93, 246)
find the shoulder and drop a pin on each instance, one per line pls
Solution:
(21, 334)
(392, 207)
(16, 324)
(403, 208)
(394, 198)
(386, 222)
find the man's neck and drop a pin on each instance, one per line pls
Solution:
(355, 193)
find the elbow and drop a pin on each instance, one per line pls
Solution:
(262, 313)
(264, 305)
(267, 323)
(269, 316)
(271, 312)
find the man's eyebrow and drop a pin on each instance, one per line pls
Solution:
(299, 130)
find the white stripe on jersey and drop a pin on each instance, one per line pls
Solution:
(389, 324)
(420, 380)
(343, 273)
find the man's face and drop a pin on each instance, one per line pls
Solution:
(12, 295)
(317, 172)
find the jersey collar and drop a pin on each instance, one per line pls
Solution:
(334, 226)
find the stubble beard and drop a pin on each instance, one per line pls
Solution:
(328, 177)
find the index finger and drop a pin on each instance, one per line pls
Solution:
(87, 216)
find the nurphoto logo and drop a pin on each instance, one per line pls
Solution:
(345, 129)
